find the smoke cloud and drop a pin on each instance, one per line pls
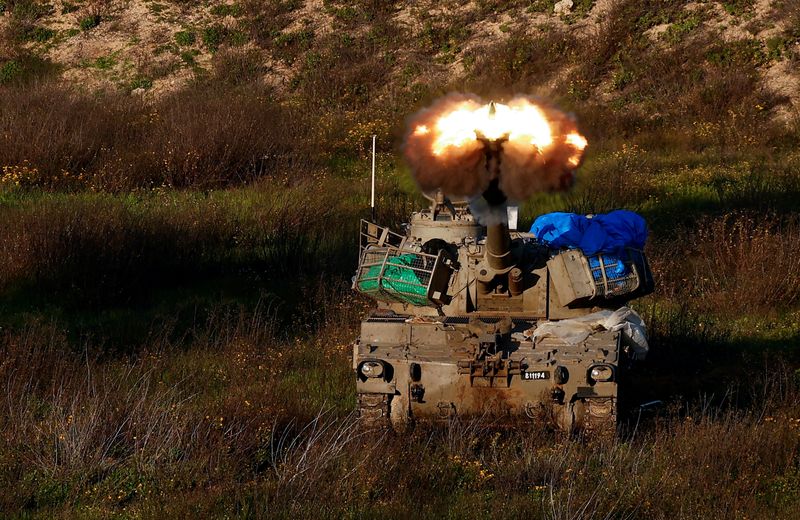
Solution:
(459, 171)
(539, 148)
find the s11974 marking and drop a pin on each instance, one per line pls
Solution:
(536, 375)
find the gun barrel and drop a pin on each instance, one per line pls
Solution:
(498, 238)
(498, 247)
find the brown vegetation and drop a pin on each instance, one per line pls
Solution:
(175, 312)
(205, 137)
(242, 420)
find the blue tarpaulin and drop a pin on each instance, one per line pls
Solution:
(609, 263)
(606, 233)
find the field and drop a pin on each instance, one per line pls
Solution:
(176, 317)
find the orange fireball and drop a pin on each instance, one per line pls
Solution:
(540, 146)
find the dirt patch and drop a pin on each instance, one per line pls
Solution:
(782, 79)
(134, 47)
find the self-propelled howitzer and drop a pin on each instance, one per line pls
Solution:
(477, 320)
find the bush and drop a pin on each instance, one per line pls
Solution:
(214, 36)
(41, 34)
(752, 263)
(105, 62)
(140, 83)
(737, 7)
(9, 71)
(206, 136)
(24, 16)
(24, 69)
(234, 10)
(68, 8)
(90, 22)
(185, 38)
(188, 57)
(289, 45)
(520, 60)
(237, 67)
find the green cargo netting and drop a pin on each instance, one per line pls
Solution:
(399, 280)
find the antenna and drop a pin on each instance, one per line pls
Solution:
(372, 199)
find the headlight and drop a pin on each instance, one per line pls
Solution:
(601, 373)
(372, 369)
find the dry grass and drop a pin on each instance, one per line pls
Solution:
(137, 379)
(748, 262)
(140, 435)
(102, 249)
(208, 137)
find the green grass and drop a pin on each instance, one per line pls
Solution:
(41, 34)
(231, 329)
(188, 57)
(737, 7)
(176, 316)
(140, 83)
(678, 30)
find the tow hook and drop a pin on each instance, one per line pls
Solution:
(417, 392)
(558, 395)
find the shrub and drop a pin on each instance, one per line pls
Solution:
(24, 69)
(68, 7)
(90, 22)
(140, 83)
(24, 16)
(185, 38)
(234, 10)
(777, 47)
(737, 7)
(30, 9)
(41, 34)
(188, 57)
(751, 263)
(105, 62)
(238, 38)
(9, 71)
(289, 45)
(676, 31)
(520, 60)
(212, 135)
(237, 67)
(213, 36)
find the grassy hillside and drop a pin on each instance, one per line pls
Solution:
(180, 186)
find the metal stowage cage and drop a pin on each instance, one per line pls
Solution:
(373, 235)
(620, 274)
(580, 278)
(392, 274)
(389, 271)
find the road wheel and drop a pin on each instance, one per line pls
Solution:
(373, 411)
(600, 419)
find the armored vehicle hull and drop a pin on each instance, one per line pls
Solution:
(429, 372)
(464, 326)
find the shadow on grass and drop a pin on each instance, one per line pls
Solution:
(694, 361)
